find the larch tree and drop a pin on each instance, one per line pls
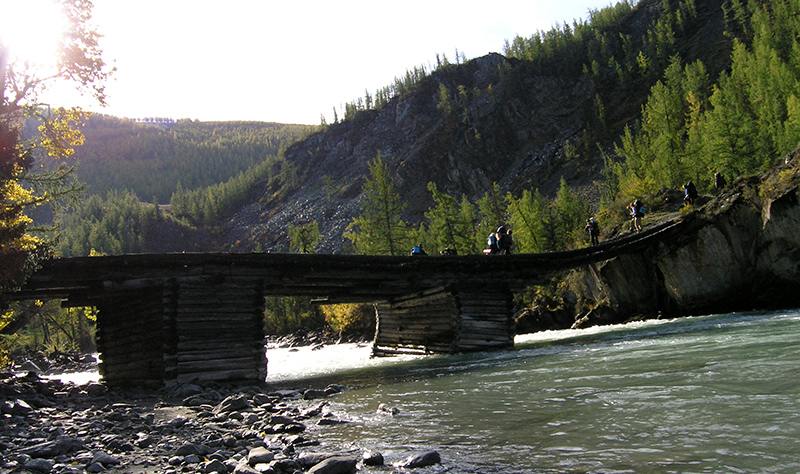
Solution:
(380, 229)
(78, 61)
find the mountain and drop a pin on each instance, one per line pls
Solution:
(150, 157)
(523, 123)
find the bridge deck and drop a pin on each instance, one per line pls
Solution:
(341, 278)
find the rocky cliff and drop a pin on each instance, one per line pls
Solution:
(492, 135)
(740, 251)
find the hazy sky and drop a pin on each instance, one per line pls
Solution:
(291, 61)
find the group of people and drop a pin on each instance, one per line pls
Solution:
(500, 242)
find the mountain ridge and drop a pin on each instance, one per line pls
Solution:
(495, 122)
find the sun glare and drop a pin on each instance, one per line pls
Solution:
(31, 30)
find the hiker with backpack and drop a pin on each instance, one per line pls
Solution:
(499, 242)
(491, 244)
(504, 242)
(593, 228)
(719, 181)
(637, 211)
(417, 250)
(690, 193)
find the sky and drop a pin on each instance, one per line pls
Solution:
(291, 61)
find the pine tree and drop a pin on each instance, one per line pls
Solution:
(450, 223)
(529, 219)
(304, 238)
(380, 228)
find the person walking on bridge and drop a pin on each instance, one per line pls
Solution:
(593, 228)
(504, 240)
(637, 210)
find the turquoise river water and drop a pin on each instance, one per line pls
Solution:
(711, 394)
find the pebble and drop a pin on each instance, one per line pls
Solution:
(50, 427)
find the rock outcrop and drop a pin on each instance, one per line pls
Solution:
(741, 251)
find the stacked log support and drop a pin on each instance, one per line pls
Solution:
(130, 337)
(215, 330)
(420, 323)
(485, 318)
(445, 320)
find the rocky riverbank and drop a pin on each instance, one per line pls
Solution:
(52, 427)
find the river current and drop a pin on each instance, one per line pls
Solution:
(711, 394)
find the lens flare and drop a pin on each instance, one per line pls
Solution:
(31, 30)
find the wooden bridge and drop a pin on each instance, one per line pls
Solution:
(180, 317)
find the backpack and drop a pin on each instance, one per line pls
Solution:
(638, 208)
(492, 241)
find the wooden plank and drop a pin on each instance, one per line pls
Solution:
(219, 354)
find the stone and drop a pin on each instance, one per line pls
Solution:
(29, 366)
(51, 449)
(145, 441)
(420, 460)
(280, 420)
(187, 449)
(39, 465)
(308, 460)
(236, 402)
(105, 459)
(372, 458)
(335, 465)
(95, 389)
(388, 410)
(17, 407)
(243, 467)
(327, 421)
(259, 455)
(215, 466)
(95, 467)
(312, 394)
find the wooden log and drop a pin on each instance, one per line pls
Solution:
(484, 325)
(147, 331)
(485, 342)
(226, 311)
(232, 376)
(186, 344)
(115, 346)
(242, 363)
(149, 366)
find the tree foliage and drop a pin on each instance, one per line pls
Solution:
(23, 186)
(148, 158)
(692, 127)
(304, 238)
(380, 228)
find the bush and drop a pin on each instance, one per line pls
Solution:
(289, 314)
(351, 318)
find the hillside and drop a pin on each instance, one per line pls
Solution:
(151, 157)
(523, 124)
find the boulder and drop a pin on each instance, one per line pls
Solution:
(420, 460)
(335, 465)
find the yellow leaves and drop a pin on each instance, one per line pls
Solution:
(59, 133)
(14, 195)
(6, 317)
(90, 313)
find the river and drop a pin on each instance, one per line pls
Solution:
(707, 394)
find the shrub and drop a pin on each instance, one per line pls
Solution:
(351, 318)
